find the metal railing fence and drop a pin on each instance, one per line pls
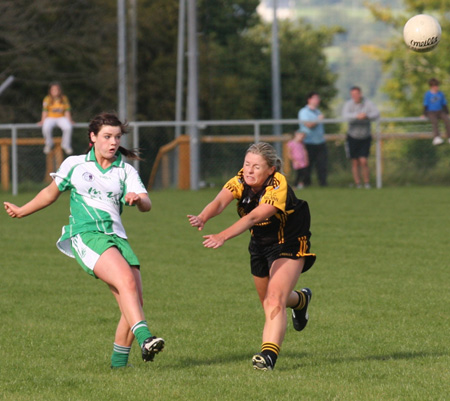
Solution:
(151, 135)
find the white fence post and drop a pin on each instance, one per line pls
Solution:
(14, 161)
(379, 160)
(136, 144)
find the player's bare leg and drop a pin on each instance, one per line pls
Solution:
(278, 294)
(114, 270)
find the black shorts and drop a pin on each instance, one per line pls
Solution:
(357, 148)
(262, 257)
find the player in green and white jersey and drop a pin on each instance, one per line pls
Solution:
(101, 183)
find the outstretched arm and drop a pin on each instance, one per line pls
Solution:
(257, 215)
(43, 199)
(220, 202)
(142, 201)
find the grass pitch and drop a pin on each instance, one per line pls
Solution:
(379, 319)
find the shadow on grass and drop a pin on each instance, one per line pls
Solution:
(388, 357)
(303, 359)
(298, 360)
(214, 359)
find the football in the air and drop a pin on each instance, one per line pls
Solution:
(422, 33)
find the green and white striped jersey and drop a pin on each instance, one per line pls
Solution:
(97, 195)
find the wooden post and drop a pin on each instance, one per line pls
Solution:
(59, 156)
(48, 166)
(165, 166)
(5, 166)
(53, 160)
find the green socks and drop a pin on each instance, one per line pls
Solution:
(119, 357)
(141, 331)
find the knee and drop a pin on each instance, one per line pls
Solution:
(273, 300)
(128, 284)
(47, 130)
(66, 128)
(274, 307)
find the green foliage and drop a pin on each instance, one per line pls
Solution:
(422, 155)
(75, 42)
(408, 72)
(304, 67)
(157, 46)
(68, 41)
(224, 21)
(345, 56)
(378, 317)
(237, 77)
(414, 161)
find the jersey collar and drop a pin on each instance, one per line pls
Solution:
(90, 157)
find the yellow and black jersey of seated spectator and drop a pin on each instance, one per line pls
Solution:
(56, 107)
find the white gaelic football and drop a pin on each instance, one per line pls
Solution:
(422, 33)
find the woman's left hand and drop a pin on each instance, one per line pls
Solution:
(132, 198)
(213, 241)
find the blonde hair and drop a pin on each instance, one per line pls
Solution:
(268, 153)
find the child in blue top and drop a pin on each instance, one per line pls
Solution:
(435, 108)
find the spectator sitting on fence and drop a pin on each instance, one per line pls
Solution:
(435, 108)
(299, 158)
(56, 113)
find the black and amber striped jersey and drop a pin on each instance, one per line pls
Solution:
(292, 219)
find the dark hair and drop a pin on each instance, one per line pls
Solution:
(433, 82)
(311, 94)
(112, 120)
(355, 88)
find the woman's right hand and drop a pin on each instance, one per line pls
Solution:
(196, 221)
(12, 209)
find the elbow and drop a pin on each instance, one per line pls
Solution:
(146, 207)
(51, 197)
(144, 204)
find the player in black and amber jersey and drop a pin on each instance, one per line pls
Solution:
(279, 245)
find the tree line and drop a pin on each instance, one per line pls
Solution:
(75, 42)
